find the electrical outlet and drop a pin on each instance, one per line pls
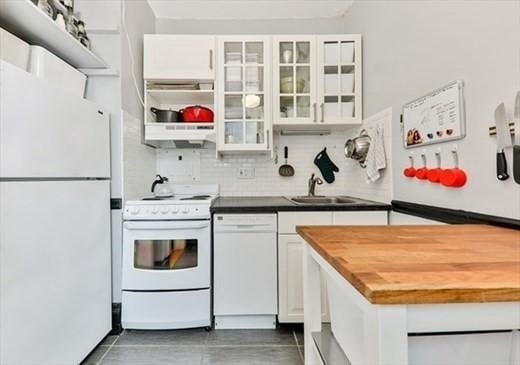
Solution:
(246, 172)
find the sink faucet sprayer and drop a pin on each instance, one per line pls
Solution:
(312, 185)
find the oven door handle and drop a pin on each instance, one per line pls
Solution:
(166, 226)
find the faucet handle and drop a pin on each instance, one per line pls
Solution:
(319, 181)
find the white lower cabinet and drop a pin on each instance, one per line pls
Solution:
(290, 280)
(290, 260)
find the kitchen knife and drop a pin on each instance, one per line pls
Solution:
(516, 145)
(503, 141)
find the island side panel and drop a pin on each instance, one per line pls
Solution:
(311, 304)
(367, 333)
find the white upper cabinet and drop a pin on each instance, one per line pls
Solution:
(179, 57)
(317, 80)
(294, 80)
(339, 79)
(244, 94)
(260, 82)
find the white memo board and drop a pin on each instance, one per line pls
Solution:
(436, 117)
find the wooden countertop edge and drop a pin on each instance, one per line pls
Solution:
(423, 296)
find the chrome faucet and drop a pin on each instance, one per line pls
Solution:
(312, 185)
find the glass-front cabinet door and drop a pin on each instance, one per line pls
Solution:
(244, 122)
(294, 62)
(339, 79)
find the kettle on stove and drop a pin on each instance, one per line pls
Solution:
(161, 188)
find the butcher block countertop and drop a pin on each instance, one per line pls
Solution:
(423, 264)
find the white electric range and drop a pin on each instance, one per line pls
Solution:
(167, 260)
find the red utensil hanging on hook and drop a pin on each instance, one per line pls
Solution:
(434, 175)
(409, 171)
(454, 177)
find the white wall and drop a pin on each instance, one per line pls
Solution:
(138, 160)
(413, 47)
(140, 20)
(264, 26)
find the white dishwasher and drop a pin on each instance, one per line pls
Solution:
(245, 271)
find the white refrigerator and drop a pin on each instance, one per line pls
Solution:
(55, 294)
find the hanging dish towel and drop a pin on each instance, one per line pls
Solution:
(376, 156)
(326, 166)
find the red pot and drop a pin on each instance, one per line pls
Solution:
(197, 114)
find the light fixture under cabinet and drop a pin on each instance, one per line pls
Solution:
(303, 132)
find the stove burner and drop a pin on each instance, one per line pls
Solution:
(197, 197)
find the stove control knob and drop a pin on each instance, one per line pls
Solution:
(165, 210)
(134, 210)
(154, 210)
(175, 210)
(185, 210)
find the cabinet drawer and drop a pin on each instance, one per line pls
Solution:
(360, 218)
(287, 221)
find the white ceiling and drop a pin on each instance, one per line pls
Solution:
(249, 9)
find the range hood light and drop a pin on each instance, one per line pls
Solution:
(303, 132)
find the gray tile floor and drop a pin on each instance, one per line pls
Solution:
(283, 346)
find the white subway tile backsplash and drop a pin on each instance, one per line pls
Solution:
(139, 160)
(356, 183)
(350, 180)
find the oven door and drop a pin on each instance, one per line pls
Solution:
(166, 255)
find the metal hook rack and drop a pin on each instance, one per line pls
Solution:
(493, 129)
(438, 158)
(455, 154)
(410, 157)
(423, 157)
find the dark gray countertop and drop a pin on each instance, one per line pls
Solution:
(271, 204)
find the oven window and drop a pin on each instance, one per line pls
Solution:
(165, 254)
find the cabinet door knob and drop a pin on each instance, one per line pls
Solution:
(211, 59)
(314, 112)
(267, 139)
(322, 106)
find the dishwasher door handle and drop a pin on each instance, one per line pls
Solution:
(234, 225)
(241, 228)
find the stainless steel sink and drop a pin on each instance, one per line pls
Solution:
(344, 200)
(312, 200)
(324, 200)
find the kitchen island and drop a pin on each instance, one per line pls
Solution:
(413, 294)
